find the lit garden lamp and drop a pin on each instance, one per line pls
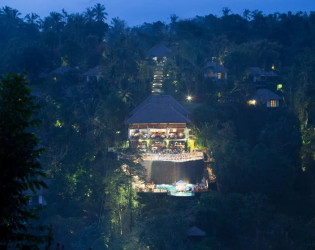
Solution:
(189, 98)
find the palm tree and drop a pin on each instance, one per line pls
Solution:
(54, 22)
(10, 13)
(33, 18)
(99, 12)
(246, 14)
(11, 17)
(226, 11)
(89, 15)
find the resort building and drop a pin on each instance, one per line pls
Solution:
(258, 75)
(160, 124)
(215, 71)
(159, 128)
(265, 97)
(94, 74)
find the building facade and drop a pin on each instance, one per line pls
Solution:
(160, 124)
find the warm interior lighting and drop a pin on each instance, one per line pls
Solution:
(251, 102)
(273, 103)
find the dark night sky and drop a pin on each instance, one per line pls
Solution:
(135, 12)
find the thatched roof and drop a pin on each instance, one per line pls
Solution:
(265, 95)
(158, 50)
(195, 231)
(256, 71)
(162, 99)
(159, 109)
(96, 71)
(61, 70)
(215, 68)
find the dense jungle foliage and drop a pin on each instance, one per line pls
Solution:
(264, 158)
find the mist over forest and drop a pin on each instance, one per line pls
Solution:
(68, 82)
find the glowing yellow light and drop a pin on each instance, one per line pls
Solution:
(273, 67)
(189, 98)
(279, 86)
(251, 102)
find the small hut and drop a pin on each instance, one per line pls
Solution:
(265, 97)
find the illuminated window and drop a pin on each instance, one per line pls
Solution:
(273, 103)
(219, 76)
(251, 102)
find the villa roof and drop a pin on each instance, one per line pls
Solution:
(195, 231)
(256, 71)
(158, 50)
(265, 95)
(96, 71)
(215, 67)
(154, 113)
(159, 109)
(162, 99)
(61, 70)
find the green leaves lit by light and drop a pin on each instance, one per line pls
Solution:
(303, 168)
(125, 145)
(64, 62)
(76, 127)
(175, 83)
(219, 94)
(279, 86)
(89, 192)
(58, 124)
(74, 178)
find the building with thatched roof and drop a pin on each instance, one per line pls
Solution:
(215, 71)
(93, 74)
(265, 97)
(159, 123)
(259, 75)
